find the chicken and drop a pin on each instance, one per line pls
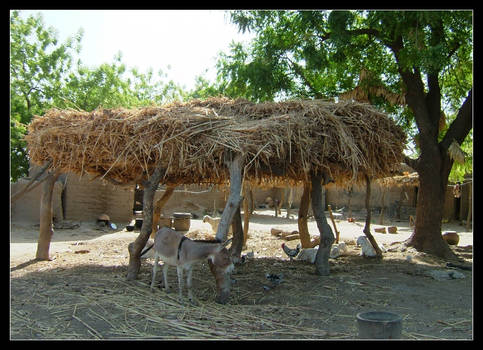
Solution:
(338, 250)
(367, 248)
(214, 222)
(292, 253)
(308, 254)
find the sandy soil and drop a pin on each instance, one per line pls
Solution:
(81, 294)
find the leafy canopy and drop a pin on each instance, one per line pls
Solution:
(323, 54)
(43, 75)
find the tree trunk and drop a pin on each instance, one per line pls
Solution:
(433, 179)
(237, 243)
(46, 228)
(303, 215)
(234, 164)
(136, 247)
(159, 206)
(367, 227)
(326, 234)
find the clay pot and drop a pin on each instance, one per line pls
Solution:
(451, 237)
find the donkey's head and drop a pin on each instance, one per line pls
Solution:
(221, 267)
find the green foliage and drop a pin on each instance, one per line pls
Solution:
(38, 65)
(321, 54)
(42, 76)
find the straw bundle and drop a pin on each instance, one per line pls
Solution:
(411, 179)
(281, 141)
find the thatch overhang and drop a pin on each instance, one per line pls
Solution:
(281, 142)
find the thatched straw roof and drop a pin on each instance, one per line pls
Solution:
(281, 141)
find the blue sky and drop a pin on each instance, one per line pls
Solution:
(187, 41)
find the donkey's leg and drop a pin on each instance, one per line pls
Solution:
(165, 277)
(155, 269)
(189, 273)
(179, 270)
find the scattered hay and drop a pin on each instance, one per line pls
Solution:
(280, 141)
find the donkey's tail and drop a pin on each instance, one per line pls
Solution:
(146, 250)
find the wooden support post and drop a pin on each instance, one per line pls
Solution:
(46, 230)
(135, 248)
(237, 243)
(303, 215)
(337, 234)
(367, 227)
(159, 206)
(325, 231)
(289, 202)
(381, 217)
(246, 213)
(470, 209)
(234, 164)
(349, 204)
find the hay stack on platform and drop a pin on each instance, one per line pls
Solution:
(281, 141)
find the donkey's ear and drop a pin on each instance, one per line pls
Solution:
(228, 241)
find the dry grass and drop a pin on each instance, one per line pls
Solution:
(281, 141)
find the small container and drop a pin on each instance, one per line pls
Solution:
(181, 221)
(451, 237)
(379, 325)
(168, 222)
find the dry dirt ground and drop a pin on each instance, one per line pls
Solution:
(83, 292)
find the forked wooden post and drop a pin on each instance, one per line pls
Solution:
(234, 164)
(367, 227)
(46, 230)
(303, 216)
(237, 243)
(135, 248)
(246, 213)
(326, 235)
(159, 206)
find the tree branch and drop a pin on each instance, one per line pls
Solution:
(462, 125)
(413, 163)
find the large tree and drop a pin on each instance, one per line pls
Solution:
(424, 57)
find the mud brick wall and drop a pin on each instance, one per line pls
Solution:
(85, 199)
(27, 207)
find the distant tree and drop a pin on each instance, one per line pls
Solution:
(43, 75)
(38, 65)
(424, 56)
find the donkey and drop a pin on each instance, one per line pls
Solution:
(177, 250)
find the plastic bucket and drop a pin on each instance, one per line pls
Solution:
(181, 221)
(379, 325)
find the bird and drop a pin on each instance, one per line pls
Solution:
(292, 253)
